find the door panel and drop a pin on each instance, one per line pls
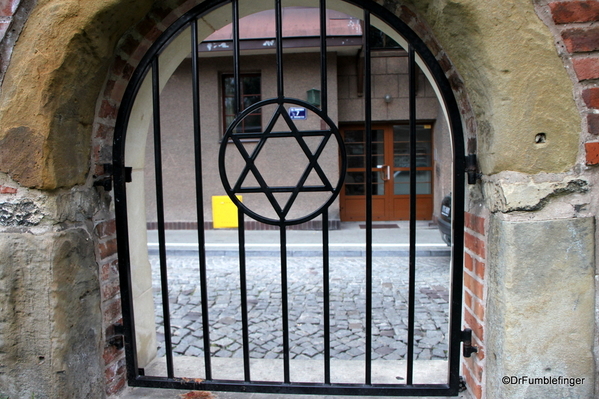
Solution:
(390, 174)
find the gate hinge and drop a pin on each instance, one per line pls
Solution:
(467, 349)
(463, 386)
(105, 179)
(472, 169)
(115, 335)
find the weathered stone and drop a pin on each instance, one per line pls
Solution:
(50, 318)
(23, 212)
(511, 191)
(516, 83)
(541, 307)
(52, 85)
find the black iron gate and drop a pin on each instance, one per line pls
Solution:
(312, 180)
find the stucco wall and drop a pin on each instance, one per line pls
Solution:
(389, 77)
(301, 74)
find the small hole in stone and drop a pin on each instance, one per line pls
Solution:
(540, 138)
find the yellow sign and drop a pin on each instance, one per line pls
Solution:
(224, 212)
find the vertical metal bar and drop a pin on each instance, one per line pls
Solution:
(326, 305)
(368, 122)
(284, 294)
(457, 244)
(244, 302)
(285, 305)
(323, 58)
(325, 215)
(412, 255)
(236, 51)
(160, 215)
(197, 135)
(279, 37)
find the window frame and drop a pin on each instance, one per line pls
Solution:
(224, 96)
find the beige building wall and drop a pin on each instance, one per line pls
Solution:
(389, 77)
(281, 161)
(277, 163)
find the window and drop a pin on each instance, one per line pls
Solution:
(250, 94)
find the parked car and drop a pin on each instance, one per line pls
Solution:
(444, 220)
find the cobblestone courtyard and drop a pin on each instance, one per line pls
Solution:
(347, 307)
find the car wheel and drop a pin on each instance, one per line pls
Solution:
(446, 238)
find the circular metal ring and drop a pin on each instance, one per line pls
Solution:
(231, 136)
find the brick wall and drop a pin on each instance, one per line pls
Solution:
(475, 257)
(7, 11)
(13, 14)
(106, 254)
(574, 24)
(129, 52)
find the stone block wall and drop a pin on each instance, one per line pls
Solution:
(50, 321)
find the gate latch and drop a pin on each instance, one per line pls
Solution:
(467, 349)
(105, 180)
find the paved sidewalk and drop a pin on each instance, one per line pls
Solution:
(347, 241)
(305, 281)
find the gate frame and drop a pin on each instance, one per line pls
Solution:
(121, 177)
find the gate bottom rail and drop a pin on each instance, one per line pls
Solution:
(298, 388)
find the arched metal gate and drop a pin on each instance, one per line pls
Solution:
(312, 179)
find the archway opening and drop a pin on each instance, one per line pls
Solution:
(275, 120)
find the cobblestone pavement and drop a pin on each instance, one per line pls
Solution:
(347, 307)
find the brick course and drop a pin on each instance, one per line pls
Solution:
(7, 190)
(581, 40)
(591, 97)
(593, 124)
(586, 68)
(475, 244)
(574, 11)
(8, 7)
(592, 153)
(474, 300)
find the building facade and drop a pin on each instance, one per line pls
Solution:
(302, 76)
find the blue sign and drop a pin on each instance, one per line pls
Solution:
(297, 113)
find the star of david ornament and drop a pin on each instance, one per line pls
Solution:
(252, 178)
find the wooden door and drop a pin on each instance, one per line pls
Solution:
(390, 173)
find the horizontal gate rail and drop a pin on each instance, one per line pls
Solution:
(299, 388)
